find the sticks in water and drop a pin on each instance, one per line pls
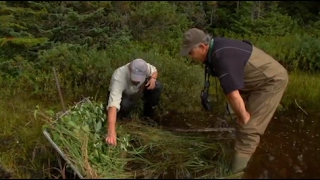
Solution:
(202, 130)
(300, 107)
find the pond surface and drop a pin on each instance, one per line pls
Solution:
(289, 148)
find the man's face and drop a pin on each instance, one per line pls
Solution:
(199, 53)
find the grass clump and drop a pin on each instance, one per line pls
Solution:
(143, 150)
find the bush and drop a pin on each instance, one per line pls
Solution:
(83, 72)
(295, 51)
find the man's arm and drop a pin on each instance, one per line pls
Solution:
(112, 109)
(113, 106)
(230, 73)
(153, 72)
(154, 75)
(238, 105)
(112, 117)
(115, 96)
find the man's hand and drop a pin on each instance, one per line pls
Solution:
(151, 84)
(238, 106)
(244, 120)
(112, 138)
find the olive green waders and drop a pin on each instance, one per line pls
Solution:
(265, 82)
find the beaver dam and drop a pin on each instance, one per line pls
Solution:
(144, 150)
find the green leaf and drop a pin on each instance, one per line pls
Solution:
(98, 126)
(50, 113)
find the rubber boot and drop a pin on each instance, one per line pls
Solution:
(233, 176)
(239, 163)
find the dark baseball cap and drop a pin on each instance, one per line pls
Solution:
(191, 38)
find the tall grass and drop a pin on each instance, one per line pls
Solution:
(143, 151)
(303, 90)
(22, 143)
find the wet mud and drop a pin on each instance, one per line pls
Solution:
(4, 174)
(288, 149)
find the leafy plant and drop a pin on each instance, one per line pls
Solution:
(142, 152)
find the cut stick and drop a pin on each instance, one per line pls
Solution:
(202, 130)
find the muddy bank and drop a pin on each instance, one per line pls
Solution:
(196, 120)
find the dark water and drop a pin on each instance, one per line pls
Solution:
(290, 147)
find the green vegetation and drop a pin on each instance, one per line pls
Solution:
(143, 151)
(85, 41)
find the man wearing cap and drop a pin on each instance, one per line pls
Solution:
(128, 84)
(252, 81)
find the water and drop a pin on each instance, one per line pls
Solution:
(288, 149)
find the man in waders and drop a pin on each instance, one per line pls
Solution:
(128, 84)
(252, 81)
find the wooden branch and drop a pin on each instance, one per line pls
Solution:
(202, 130)
(300, 107)
(59, 89)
